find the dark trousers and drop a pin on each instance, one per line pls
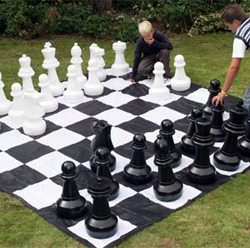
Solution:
(146, 65)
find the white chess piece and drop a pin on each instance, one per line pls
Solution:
(5, 104)
(33, 124)
(180, 81)
(120, 66)
(93, 87)
(51, 63)
(92, 51)
(76, 60)
(26, 72)
(73, 93)
(16, 113)
(158, 88)
(47, 101)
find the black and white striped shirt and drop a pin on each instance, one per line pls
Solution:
(243, 32)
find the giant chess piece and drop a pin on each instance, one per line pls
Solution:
(93, 86)
(101, 223)
(244, 144)
(137, 171)
(102, 161)
(187, 145)
(92, 51)
(180, 81)
(70, 205)
(214, 90)
(5, 104)
(167, 188)
(76, 60)
(227, 158)
(51, 63)
(101, 72)
(217, 122)
(102, 131)
(120, 66)
(201, 170)
(167, 131)
(159, 89)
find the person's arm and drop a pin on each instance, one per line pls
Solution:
(161, 41)
(137, 58)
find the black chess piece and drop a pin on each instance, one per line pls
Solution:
(101, 161)
(217, 122)
(70, 205)
(168, 187)
(244, 144)
(101, 223)
(137, 171)
(201, 170)
(102, 131)
(228, 158)
(187, 145)
(167, 131)
(214, 90)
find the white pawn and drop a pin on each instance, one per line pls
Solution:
(26, 72)
(158, 88)
(180, 81)
(73, 93)
(101, 72)
(16, 113)
(120, 66)
(5, 104)
(92, 51)
(51, 63)
(76, 60)
(47, 101)
(93, 87)
(33, 124)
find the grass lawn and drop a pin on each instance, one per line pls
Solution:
(219, 219)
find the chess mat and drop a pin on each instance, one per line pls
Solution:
(31, 166)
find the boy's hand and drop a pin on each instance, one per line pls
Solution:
(131, 80)
(218, 99)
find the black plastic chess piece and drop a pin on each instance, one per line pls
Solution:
(102, 130)
(167, 188)
(214, 90)
(101, 161)
(137, 171)
(228, 158)
(186, 143)
(244, 144)
(201, 170)
(101, 223)
(217, 121)
(70, 205)
(167, 131)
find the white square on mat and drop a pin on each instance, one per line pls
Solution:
(154, 99)
(120, 137)
(120, 162)
(41, 195)
(10, 123)
(8, 163)
(117, 84)
(62, 100)
(201, 95)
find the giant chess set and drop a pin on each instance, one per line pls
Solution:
(101, 158)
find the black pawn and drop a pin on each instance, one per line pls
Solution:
(102, 131)
(71, 205)
(201, 170)
(244, 144)
(137, 171)
(217, 121)
(167, 188)
(167, 131)
(228, 158)
(101, 161)
(214, 90)
(187, 145)
(101, 223)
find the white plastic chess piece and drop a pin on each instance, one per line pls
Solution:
(16, 113)
(5, 104)
(93, 87)
(92, 51)
(73, 93)
(76, 60)
(47, 101)
(33, 124)
(51, 63)
(120, 66)
(180, 81)
(158, 88)
(26, 72)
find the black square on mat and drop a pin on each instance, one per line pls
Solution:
(29, 151)
(106, 91)
(136, 90)
(4, 128)
(19, 178)
(192, 89)
(138, 107)
(60, 108)
(182, 124)
(139, 125)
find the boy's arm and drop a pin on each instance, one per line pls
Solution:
(161, 41)
(137, 59)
